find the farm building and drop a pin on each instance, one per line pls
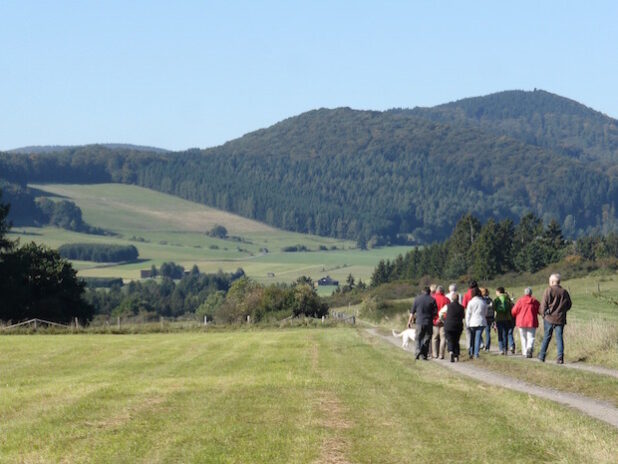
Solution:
(327, 281)
(145, 273)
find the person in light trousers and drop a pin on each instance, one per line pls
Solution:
(526, 314)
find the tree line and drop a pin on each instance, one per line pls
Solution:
(98, 252)
(222, 297)
(487, 250)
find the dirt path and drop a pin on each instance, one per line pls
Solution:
(597, 409)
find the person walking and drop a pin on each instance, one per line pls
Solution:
(452, 290)
(470, 293)
(555, 304)
(476, 320)
(472, 287)
(486, 340)
(423, 311)
(453, 325)
(504, 320)
(526, 314)
(438, 339)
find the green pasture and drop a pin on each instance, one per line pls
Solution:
(168, 228)
(287, 396)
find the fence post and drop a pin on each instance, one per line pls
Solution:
(76, 324)
(205, 319)
(248, 319)
(118, 322)
(322, 320)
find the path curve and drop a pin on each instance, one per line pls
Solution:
(598, 409)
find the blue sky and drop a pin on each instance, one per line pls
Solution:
(196, 73)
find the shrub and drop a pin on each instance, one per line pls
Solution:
(217, 231)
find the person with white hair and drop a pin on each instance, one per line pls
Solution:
(555, 303)
(452, 291)
(526, 314)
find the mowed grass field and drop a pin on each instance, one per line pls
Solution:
(290, 396)
(167, 228)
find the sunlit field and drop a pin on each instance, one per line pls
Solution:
(290, 396)
(168, 228)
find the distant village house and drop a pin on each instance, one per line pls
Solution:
(327, 281)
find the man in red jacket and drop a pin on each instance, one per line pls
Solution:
(470, 293)
(526, 314)
(438, 339)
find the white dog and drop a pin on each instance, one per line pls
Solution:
(406, 335)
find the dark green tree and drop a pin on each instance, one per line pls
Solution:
(43, 285)
(5, 243)
(486, 251)
(530, 227)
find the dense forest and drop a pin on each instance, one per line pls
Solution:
(98, 252)
(400, 176)
(538, 118)
(483, 251)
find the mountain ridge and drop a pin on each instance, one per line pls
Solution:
(43, 149)
(383, 176)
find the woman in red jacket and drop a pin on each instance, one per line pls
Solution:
(526, 313)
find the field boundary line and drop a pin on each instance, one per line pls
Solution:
(570, 365)
(601, 410)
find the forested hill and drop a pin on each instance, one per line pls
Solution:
(372, 176)
(40, 149)
(538, 118)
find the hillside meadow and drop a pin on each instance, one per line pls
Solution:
(288, 396)
(167, 228)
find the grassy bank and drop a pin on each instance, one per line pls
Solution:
(269, 396)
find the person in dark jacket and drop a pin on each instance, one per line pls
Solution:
(453, 325)
(554, 306)
(424, 311)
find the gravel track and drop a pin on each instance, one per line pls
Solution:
(598, 409)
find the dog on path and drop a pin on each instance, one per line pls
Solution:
(406, 335)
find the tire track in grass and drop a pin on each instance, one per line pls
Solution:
(597, 409)
(332, 418)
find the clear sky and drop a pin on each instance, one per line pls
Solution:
(181, 74)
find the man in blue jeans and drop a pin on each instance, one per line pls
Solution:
(554, 306)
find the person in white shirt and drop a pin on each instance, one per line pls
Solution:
(476, 320)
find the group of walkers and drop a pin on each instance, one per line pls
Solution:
(440, 320)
